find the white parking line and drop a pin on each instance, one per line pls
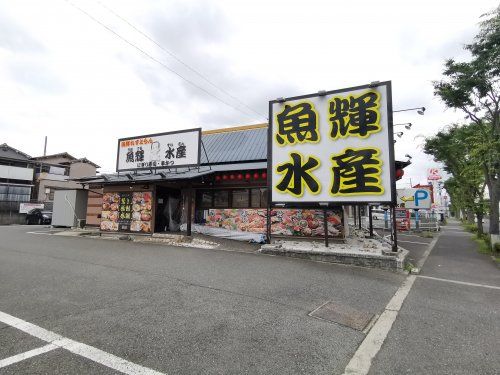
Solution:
(460, 282)
(22, 356)
(415, 242)
(86, 351)
(361, 362)
(408, 235)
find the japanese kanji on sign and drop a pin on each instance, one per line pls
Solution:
(157, 151)
(334, 146)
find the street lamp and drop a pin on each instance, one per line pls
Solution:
(420, 110)
(399, 134)
(407, 125)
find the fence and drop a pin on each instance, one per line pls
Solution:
(9, 212)
(426, 224)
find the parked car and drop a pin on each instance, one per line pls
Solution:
(37, 216)
(377, 214)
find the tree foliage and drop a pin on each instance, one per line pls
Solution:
(457, 148)
(474, 88)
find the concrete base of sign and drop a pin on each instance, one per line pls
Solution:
(366, 253)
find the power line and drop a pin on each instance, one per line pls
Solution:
(156, 60)
(178, 59)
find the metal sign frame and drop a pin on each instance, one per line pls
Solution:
(330, 203)
(156, 135)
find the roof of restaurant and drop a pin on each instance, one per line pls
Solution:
(170, 175)
(237, 144)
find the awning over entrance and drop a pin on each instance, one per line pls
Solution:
(168, 175)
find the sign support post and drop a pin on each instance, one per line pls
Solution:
(190, 210)
(359, 217)
(386, 219)
(325, 224)
(370, 220)
(394, 229)
(268, 225)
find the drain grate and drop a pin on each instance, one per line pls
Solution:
(342, 314)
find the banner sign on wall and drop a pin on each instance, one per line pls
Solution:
(334, 146)
(415, 198)
(24, 208)
(157, 151)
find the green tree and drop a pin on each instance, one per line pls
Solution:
(457, 148)
(474, 88)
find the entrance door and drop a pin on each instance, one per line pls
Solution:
(168, 209)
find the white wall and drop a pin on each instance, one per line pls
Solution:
(16, 173)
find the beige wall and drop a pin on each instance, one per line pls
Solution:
(94, 207)
(55, 160)
(81, 170)
(43, 184)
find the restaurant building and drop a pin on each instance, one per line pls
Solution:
(225, 195)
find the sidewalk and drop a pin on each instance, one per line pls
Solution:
(449, 321)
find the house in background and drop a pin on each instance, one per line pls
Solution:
(16, 175)
(54, 172)
(29, 180)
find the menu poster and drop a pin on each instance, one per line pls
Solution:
(110, 213)
(141, 212)
(127, 212)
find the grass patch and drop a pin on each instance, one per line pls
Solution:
(470, 227)
(483, 242)
(497, 247)
(483, 247)
(409, 266)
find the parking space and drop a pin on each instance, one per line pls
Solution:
(14, 341)
(58, 361)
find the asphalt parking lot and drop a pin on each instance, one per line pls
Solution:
(117, 305)
(92, 306)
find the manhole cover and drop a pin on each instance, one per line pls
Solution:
(342, 314)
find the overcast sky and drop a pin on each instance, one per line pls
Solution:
(65, 76)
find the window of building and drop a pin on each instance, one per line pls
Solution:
(241, 198)
(232, 198)
(221, 198)
(50, 195)
(259, 198)
(12, 193)
(205, 198)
